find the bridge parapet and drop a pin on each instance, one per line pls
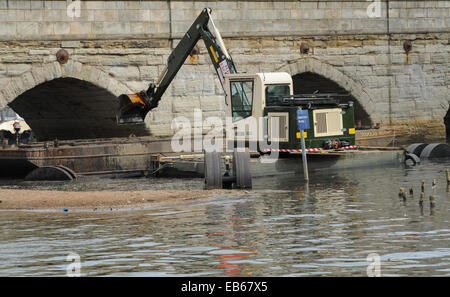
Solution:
(87, 19)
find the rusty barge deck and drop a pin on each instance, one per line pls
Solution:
(138, 154)
(85, 157)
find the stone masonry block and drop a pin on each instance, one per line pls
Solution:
(149, 72)
(94, 4)
(28, 81)
(33, 15)
(124, 72)
(19, 4)
(367, 60)
(27, 28)
(136, 86)
(7, 93)
(186, 104)
(160, 130)
(38, 75)
(17, 69)
(16, 86)
(214, 103)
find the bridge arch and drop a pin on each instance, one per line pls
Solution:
(329, 79)
(68, 101)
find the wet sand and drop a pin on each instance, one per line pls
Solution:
(99, 200)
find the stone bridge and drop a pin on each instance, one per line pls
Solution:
(393, 57)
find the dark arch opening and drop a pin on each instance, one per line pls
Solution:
(308, 82)
(69, 108)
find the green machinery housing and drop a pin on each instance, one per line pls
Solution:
(269, 96)
(331, 123)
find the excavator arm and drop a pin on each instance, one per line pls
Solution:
(134, 107)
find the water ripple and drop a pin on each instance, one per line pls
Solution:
(282, 229)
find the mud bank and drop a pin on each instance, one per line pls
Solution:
(24, 200)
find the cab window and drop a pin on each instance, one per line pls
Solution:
(275, 94)
(241, 99)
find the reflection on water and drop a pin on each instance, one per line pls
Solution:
(282, 228)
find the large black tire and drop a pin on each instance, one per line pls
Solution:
(48, 173)
(435, 150)
(68, 170)
(241, 170)
(213, 170)
(416, 148)
(414, 159)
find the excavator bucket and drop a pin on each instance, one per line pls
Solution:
(132, 108)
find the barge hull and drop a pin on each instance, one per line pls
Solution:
(364, 157)
(138, 154)
(96, 157)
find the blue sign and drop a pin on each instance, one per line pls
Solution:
(303, 119)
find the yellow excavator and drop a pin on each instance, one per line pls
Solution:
(264, 96)
(134, 107)
(267, 96)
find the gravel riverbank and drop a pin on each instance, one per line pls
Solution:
(12, 199)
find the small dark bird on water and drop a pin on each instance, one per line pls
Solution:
(402, 193)
(432, 201)
(422, 197)
(433, 185)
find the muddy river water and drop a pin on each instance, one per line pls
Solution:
(280, 228)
